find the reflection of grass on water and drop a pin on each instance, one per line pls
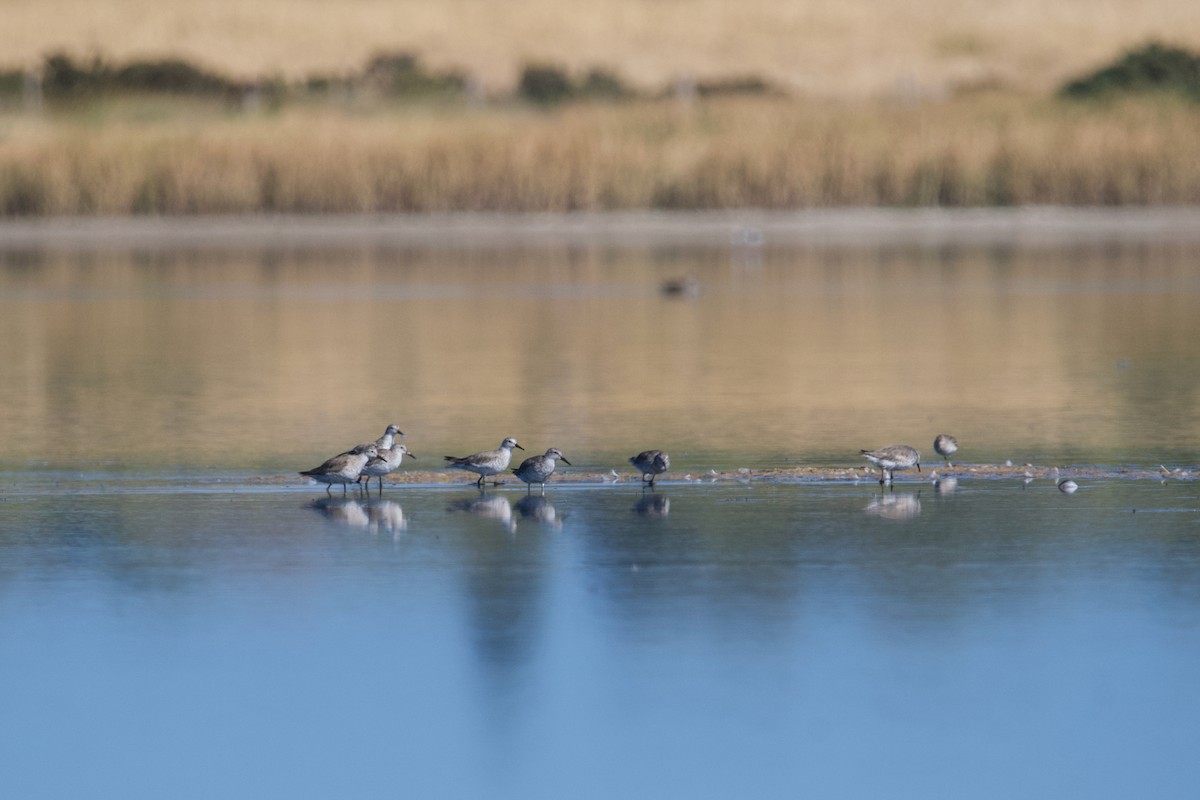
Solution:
(171, 156)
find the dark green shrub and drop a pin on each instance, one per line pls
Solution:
(604, 85)
(62, 77)
(544, 84)
(1152, 68)
(401, 74)
(168, 76)
(319, 84)
(12, 83)
(745, 84)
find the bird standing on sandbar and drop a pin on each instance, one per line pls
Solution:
(487, 463)
(344, 468)
(891, 458)
(383, 442)
(389, 437)
(652, 463)
(946, 446)
(388, 460)
(537, 469)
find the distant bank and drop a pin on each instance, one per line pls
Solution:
(1024, 226)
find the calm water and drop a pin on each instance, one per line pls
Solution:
(716, 641)
(168, 632)
(271, 359)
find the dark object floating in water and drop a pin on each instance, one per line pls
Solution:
(681, 287)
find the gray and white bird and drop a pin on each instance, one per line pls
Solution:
(487, 463)
(389, 437)
(946, 446)
(537, 469)
(652, 463)
(383, 442)
(344, 468)
(388, 460)
(891, 458)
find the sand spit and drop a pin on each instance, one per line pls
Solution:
(800, 475)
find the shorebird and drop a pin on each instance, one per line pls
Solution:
(652, 463)
(891, 458)
(946, 446)
(537, 469)
(383, 442)
(1068, 486)
(388, 460)
(389, 437)
(344, 468)
(487, 463)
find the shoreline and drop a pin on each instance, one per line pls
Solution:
(799, 475)
(934, 475)
(1022, 226)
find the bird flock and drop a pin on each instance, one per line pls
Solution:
(384, 455)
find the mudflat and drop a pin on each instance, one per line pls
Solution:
(1031, 225)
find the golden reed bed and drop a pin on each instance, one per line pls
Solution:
(172, 157)
(889, 103)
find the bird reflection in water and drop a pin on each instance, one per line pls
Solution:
(386, 517)
(945, 486)
(895, 506)
(381, 516)
(346, 512)
(488, 506)
(538, 508)
(653, 506)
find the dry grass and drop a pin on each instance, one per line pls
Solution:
(734, 153)
(852, 48)
(893, 108)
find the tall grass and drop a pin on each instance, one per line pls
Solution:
(763, 152)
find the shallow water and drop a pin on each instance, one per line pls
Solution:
(705, 641)
(173, 628)
(271, 359)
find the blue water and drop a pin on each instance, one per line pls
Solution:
(702, 641)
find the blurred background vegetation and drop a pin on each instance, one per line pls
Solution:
(366, 106)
